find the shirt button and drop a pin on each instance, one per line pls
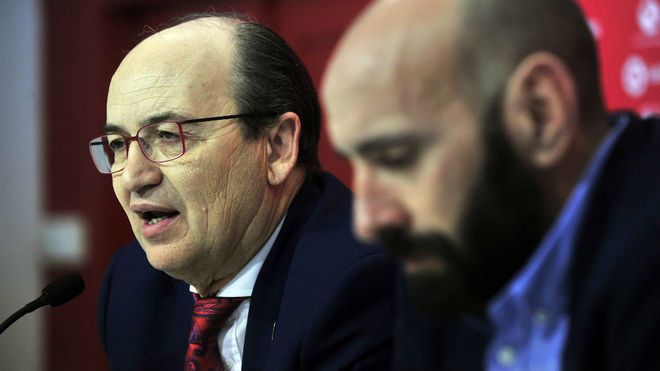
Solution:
(506, 356)
(541, 317)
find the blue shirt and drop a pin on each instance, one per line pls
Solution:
(529, 316)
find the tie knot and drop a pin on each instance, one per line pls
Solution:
(209, 315)
(214, 306)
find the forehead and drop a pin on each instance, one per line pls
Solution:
(185, 70)
(393, 71)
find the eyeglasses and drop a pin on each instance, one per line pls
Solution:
(159, 142)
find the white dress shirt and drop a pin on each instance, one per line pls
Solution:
(232, 336)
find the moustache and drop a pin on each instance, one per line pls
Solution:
(402, 244)
(444, 293)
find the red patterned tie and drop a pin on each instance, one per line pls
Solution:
(209, 315)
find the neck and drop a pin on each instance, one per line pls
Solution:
(558, 183)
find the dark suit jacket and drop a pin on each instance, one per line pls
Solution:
(615, 311)
(614, 277)
(322, 301)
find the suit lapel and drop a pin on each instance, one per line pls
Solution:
(270, 285)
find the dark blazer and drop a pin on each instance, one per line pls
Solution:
(615, 273)
(614, 279)
(322, 301)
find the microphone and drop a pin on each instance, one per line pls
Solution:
(56, 293)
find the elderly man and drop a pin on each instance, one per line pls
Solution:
(211, 135)
(484, 159)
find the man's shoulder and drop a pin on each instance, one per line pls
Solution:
(131, 254)
(624, 207)
(615, 276)
(622, 218)
(130, 276)
(317, 276)
(327, 235)
(329, 261)
(143, 314)
(132, 259)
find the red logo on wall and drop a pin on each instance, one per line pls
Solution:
(628, 35)
(635, 76)
(648, 17)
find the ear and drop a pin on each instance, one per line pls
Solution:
(282, 147)
(540, 109)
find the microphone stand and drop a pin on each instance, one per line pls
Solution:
(29, 307)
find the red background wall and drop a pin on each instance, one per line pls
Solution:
(86, 39)
(628, 34)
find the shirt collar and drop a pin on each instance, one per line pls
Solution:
(243, 283)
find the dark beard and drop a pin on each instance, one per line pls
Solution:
(503, 223)
(443, 293)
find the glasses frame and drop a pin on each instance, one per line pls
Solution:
(135, 138)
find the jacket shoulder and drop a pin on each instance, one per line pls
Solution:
(341, 289)
(143, 314)
(615, 275)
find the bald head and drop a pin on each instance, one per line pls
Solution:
(496, 35)
(407, 44)
(201, 51)
(470, 47)
(247, 62)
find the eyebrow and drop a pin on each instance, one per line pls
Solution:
(110, 128)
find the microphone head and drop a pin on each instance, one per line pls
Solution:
(64, 289)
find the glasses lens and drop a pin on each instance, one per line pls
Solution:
(108, 152)
(161, 142)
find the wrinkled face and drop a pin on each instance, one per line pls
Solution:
(191, 214)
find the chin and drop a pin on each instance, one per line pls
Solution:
(164, 259)
(440, 293)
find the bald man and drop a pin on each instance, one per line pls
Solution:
(527, 220)
(244, 257)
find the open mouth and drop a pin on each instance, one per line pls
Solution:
(155, 217)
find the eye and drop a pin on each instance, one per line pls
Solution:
(167, 136)
(116, 144)
(396, 157)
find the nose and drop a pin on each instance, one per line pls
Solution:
(377, 205)
(139, 172)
